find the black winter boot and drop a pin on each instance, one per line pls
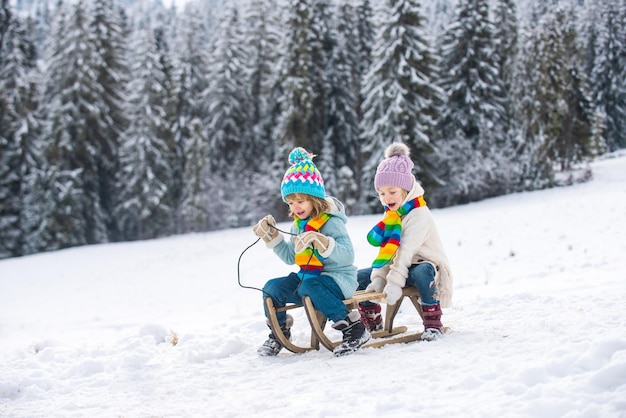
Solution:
(433, 328)
(272, 345)
(354, 334)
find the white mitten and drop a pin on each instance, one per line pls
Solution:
(377, 285)
(394, 293)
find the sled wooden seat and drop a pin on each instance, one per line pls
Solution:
(317, 321)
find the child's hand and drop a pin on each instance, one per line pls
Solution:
(311, 239)
(394, 293)
(266, 230)
(377, 285)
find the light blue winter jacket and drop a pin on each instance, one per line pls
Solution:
(339, 263)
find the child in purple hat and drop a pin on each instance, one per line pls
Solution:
(411, 252)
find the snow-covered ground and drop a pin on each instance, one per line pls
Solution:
(538, 327)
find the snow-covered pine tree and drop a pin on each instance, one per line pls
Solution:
(472, 124)
(145, 172)
(107, 120)
(195, 199)
(402, 101)
(535, 169)
(33, 164)
(297, 97)
(608, 76)
(322, 40)
(506, 47)
(339, 157)
(228, 124)
(188, 130)
(262, 31)
(175, 148)
(20, 150)
(83, 118)
(363, 41)
(5, 22)
(565, 114)
(365, 33)
(589, 36)
(11, 66)
(506, 35)
(324, 77)
(74, 108)
(590, 25)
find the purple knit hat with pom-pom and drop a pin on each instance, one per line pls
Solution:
(396, 168)
(303, 176)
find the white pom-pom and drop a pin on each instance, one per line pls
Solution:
(397, 148)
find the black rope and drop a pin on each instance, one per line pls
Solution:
(239, 273)
(284, 232)
(252, 245)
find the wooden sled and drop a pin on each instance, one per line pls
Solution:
(379, 338)
(388, 335)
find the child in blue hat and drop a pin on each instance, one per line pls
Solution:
(321, 248)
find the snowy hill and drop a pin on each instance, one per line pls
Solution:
(538, 327)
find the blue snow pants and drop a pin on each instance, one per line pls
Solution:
(323, 291)
(421, 276)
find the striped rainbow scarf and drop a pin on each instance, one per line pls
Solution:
(386, 233)
(310, 264)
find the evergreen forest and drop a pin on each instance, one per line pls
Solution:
(127, 120)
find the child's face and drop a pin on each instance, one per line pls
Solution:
(300, 206)
(391, 196)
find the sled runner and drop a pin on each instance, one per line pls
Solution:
(388, 335)
(278, 333)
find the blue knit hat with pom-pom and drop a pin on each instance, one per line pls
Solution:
(303, 176)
